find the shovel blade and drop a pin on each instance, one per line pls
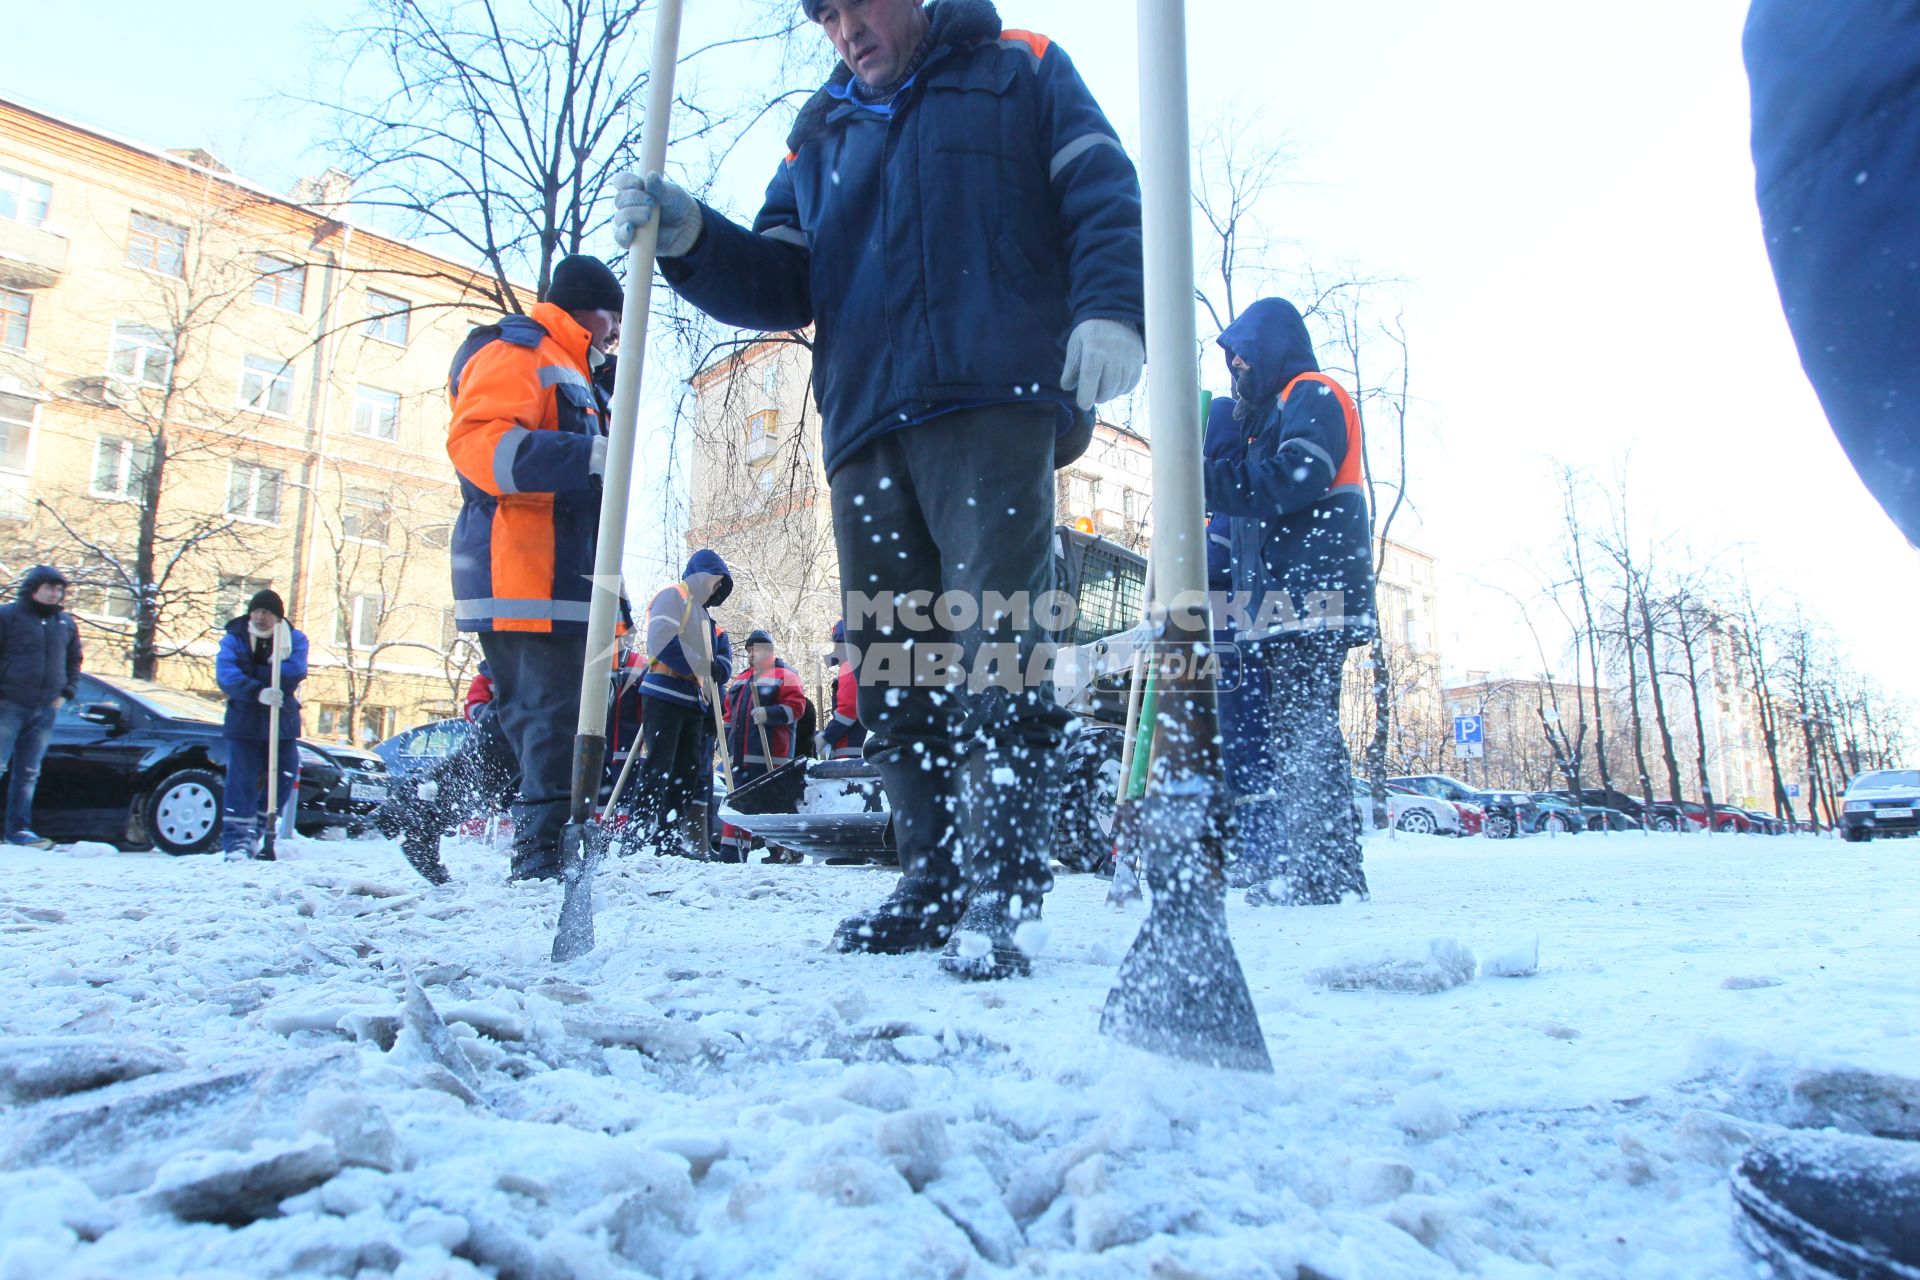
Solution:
(573, 937)
(1181, 991)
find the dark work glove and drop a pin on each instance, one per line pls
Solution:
(720, 672)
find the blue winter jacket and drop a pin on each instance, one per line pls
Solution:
(1301, 541)
(1836, 155)
(942, 252)
(244, 668)
(681, 686)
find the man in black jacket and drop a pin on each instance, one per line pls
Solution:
(39, 662)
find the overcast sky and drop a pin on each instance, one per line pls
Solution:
(1567, 190)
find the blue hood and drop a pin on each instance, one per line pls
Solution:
(1272, 338)
(708, 561)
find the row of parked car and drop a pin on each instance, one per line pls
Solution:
(139, 765)
(1455, 808)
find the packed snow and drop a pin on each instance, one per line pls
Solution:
(325, 1066)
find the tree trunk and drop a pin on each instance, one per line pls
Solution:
(1659, 701)
(146, 622)
(1699, 722)
(1377, 744)
(1633, 693)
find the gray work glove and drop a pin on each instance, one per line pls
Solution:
(1104, 360)
(597, 463)
(634, 206)
(272, 698)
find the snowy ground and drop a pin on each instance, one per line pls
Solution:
(713, 1093)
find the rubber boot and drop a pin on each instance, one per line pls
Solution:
(1011, 788)
(926, 901)
(1827, 1206)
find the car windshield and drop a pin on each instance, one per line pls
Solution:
(171, 702)
(1886, 778)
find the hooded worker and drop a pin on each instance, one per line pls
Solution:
(692, 660)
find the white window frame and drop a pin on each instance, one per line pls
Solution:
(154, 266)
(106, 597)
(384, 311)
(364, 399)
(29, 426)
(272, 274)
(128, 450)
(271, 375)
(255, 474)
(231, 593)
(142, 342)
(26, 320)
(19, 183)
(364, 611)
(367, 500)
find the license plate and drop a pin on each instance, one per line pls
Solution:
(373, 792)
(1893, 813)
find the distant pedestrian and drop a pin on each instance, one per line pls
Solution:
(692, 661)
(244, 669)
(845, 737)
(39, 664)
(762, 710)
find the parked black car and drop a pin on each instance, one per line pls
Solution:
(423, 747)
(135, 763)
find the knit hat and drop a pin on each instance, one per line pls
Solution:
(757, 636)
(581, 282)
(269, 600)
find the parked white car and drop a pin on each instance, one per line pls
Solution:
(1416, 815)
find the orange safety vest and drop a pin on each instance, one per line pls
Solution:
(1348, 477)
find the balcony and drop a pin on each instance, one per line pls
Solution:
(30, 257)
(760, 448)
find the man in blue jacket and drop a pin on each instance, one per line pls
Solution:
(692, 660)
(959, 224)
(1301, 544)
(39, 663)
(1836, 155)
(244, 670)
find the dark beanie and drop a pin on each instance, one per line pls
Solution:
(581, 282)
(269, 600)
(759, 637)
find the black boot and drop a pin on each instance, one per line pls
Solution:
(996, 938)
(1826, 1206)
(1010, 800)
(926, 902)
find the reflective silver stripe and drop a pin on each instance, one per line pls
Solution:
(1079, 147)
(555, 375)
(1359, 489)
(504, 453)
(787, 235)
(842, 719)
(520, 610)
(1314, 449)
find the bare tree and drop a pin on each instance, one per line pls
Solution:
(1238, 165)
(494, 128)
(1586, 591)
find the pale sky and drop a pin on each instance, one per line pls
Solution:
(1567, 189)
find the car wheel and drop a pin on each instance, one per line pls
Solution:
(1663, 824)
(183, 812)
(1854, 835)
(1555, 824)
(1418, 822)
(1500, 826)
(1082, 839)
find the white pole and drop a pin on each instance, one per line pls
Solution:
(623, 421)
(1173, 382)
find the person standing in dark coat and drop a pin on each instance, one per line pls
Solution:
(1301, 543)
(960, 225)
(244, 670)
(39, 663)
(1836, 157)
(692, 661)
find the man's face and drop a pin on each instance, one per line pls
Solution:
(263, 620)
(602, 326)
(1240, 371)
(875, 38)
(50, 592)
(760, 655)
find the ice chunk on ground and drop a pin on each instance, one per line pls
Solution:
(966, 1193)
(234, 1187)
(1424, 1112)
(430, 1032)
(1519, 958)
(915, 1142)
(1419, 968)
(1887, 1106)
(36, 1067)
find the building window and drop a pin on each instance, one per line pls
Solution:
(266, 386)
(435, 537)
(1079, 493)
(14, 309)
(281, 283)
(358, 622)
(387, 318)
(253, 493)
(376, 723)
(141, 354)
(363, 516)
(116, 603)
(16, 432)
(231, 597)
(762, 426)
(770, 379)
(120, 467)
(376, 414)
(153, 245)
(24, 199)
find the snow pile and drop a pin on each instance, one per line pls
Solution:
(326, 1067)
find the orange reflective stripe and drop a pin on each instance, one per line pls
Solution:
(1032, 39)
(1349, 474)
